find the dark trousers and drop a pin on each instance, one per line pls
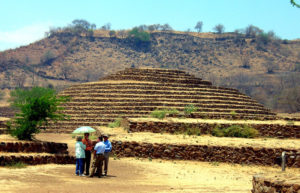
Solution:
(106, 159)
(79, 166)
(97, 164)
(87, 162)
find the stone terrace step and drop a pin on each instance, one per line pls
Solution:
(144, 106)
(152, 84)
(162, 88)
(75, 92)
(199, 103)
(169, 96)
(154, 91)
(143, 112)
(107, 105)
(156, 79)
(145, 84)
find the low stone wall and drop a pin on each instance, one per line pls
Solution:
(35, 160)
(242, 155)
(262, 184)
(265, 130)
(37, 147)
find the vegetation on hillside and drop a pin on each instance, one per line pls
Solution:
(243, 131)
(256, 62)
(35, 107)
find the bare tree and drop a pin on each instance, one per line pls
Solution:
(198, 26)
(245, 59)
(122, 33)
(106, 26)
(66, 70)
(166, 27)
(219, 28)
(252, 31)
(20, 80)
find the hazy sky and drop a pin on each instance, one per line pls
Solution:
(25, 21)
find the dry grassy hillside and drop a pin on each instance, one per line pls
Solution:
(269, 72)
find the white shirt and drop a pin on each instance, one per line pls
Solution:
(100, 147)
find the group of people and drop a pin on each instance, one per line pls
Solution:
(84, 149)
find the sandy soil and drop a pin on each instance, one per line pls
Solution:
(134, 175)
(131, 175)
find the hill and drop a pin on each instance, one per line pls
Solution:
(268, 71)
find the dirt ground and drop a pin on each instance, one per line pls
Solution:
(129, 175)
(133, 175)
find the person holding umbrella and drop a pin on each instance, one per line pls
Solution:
(86, 130)
(89, 146)
(80, 155)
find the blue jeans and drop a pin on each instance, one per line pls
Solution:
(79, 166)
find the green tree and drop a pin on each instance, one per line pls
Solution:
(295, 4)
(139, 36)
(35, 108)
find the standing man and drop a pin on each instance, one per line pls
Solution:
(98, 157)
(108, 148)
(89, 146)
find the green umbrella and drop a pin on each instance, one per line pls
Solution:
(84, 129)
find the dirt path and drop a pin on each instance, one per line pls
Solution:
(131, 175)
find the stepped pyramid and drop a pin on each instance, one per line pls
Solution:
(137, 92)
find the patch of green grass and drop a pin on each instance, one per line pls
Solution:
(16, 165)
(243, 131)
(193, 131)
(162, 113)
(214, 163)
(116, 123)
(290, 123)
(233, 113)
(159, 114)
(189, 109)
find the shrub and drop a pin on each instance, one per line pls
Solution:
(233, 114)
(193, 131)
(160, 114)
(36, 106)
(139, 36)
(173, 112)
(243, 131)
(16, 165)
(189, 109)
(116, 123)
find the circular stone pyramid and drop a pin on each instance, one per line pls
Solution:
(137, 92)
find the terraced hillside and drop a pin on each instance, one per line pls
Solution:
(137, 92)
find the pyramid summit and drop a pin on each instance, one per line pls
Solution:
(136, 92)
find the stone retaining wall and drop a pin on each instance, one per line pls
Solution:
(273, 185)
(239, 155)
(43, 147)
(265, 130)
(35, 160)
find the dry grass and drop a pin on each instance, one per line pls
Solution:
(122, 135)
(214, 121)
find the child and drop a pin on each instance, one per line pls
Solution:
(80, 155)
